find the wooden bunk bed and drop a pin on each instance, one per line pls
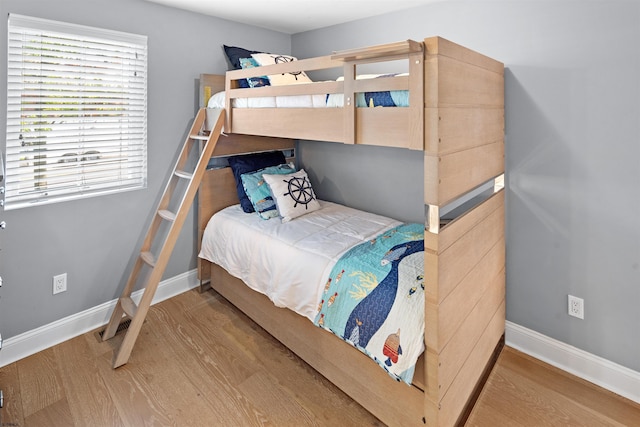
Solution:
(456, 117)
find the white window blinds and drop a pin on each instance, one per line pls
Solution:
(76, 112)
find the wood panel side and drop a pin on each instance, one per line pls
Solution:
(463, 224)
(448, 410)
(442, 320)
(217, 191)
(464, 120)
(231, 144)
(444, 133)
(387, 127)
(444, 271)
(450, 176)
(444, 47)
(463, 84)
(323, 124)
(443, 366)
(416, 139)
(396, 404)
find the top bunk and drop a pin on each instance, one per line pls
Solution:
(451, 107)
(438, 75)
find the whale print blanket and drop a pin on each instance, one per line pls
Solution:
(374, 299)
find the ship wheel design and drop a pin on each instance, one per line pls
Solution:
(281, 59)
(300, 191)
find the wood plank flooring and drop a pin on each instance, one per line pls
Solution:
(200, 362)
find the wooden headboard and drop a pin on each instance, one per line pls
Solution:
(209, 85)
(221, 182)
(217, 188)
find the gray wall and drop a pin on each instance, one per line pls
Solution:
(94, 240)
(364, 178)
(573, 158)
(572, 153)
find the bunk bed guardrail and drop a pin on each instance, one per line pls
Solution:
(347, 122)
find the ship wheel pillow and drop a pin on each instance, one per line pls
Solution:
(291, 78)
(293, 194)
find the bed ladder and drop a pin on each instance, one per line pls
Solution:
(164, 231)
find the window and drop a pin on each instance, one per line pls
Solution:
(76, 112)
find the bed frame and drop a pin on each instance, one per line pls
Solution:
(456, 116)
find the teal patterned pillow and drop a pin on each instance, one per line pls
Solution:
(254, 81)
(258, 191)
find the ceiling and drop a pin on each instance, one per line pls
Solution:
(293, 16)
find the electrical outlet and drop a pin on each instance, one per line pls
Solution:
(576, 307)
(59, 283)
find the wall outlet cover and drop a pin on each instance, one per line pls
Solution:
(59, 283)
(576, 307)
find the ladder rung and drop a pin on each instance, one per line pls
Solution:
(183, 174)
(200, 137)
(148, 258)
(169, 216)
(128, 306)
(206, 143)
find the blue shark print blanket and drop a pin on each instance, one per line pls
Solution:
(374, 299)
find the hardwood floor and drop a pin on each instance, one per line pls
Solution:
(199, 362)
(523, 391)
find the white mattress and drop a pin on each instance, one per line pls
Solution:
(289, 262)
(288, 101)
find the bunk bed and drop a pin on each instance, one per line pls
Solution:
(456, 117)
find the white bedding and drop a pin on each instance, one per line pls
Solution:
(289, 101)
(335, 100)
(289, 262)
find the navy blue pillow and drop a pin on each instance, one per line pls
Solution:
(250, 163)
(234, 54)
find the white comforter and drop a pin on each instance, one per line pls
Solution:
(289, 262)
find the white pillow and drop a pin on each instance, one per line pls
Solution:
(293, 194)
(217, 100)
(281, 79)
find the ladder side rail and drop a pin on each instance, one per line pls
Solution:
(179, 165)
(118, 311)
(126, 346)
(181, 161)
(188, 197)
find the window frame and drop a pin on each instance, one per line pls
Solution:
(76, 112)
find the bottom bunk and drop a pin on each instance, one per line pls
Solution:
(464, 325)
(393, 402)
(343, 365)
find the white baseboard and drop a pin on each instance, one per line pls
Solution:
(31, 342)
(602, 372)
(595, 369)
